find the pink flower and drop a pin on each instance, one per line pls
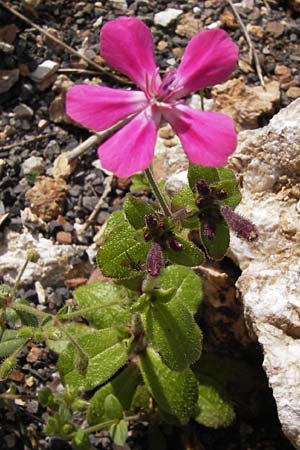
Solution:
(126, 44)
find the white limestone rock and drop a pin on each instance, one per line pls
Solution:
(267, 162)
(50, 268)
(164, 18)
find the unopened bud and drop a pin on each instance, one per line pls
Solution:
(33, 256)
(221, 194)
(151, 221)
(175, 244)
(155, 260)
(203, 187)
(147, 235)
(243, 228)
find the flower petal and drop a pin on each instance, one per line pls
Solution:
(131, 149)
(209, 58)
(126, 44)
(99, 107)
(208, 138)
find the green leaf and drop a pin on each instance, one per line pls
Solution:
(123, 387)
(113, 408)
(121, 254)
(118, 432)
(173, 333)
(81, 440)
(135, 210)
(10, 342)
(215, 410)
(184, 200)
(26, 318)
(195, 173)
(233, 194)
(186, 285)
(103, 294)
(141, 399)
(217, 247)
(190, 255)
(57, 341)
(209, 174)
(107, 353)
(139, 183)
(116, 219)
(176, 393)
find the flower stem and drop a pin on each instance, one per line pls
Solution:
(202, 99)
(101, 426)
(30, 310)
(157, 192)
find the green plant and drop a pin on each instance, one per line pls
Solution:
(139, 347)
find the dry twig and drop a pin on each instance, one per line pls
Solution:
(107, 189)
(28, 141)
(104, 70)
(250, 43)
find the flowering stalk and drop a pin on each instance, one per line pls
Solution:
(157, 192)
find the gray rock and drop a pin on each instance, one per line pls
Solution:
(23, 111)
(34, 164)
(44, 70)
(164, 18)
(7, 79)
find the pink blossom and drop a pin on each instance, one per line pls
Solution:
(126, 44)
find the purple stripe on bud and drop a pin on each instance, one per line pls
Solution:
(203, 187)
(175, 244)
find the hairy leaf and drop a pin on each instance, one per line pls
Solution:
(176, 393)
(135, 210)
(103, 295)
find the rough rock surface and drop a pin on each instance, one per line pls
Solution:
(49, 270)
(268, 164)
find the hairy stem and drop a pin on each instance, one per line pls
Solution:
(157, 192)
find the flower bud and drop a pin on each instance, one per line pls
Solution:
(33, 255)
(147, 235)
(155, 260)
(203, 187)
(243, 228)
(221, 194)
(175, 244)
(151, 221)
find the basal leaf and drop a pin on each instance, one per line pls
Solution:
(107, 353)
(103, 295)
(118, 432)
(122, 386)
(135, 210)
(190, 255)
(215, 410)
(173, 333)
(217, 247)
(176, 393)
(124, 251)
(112, 407)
